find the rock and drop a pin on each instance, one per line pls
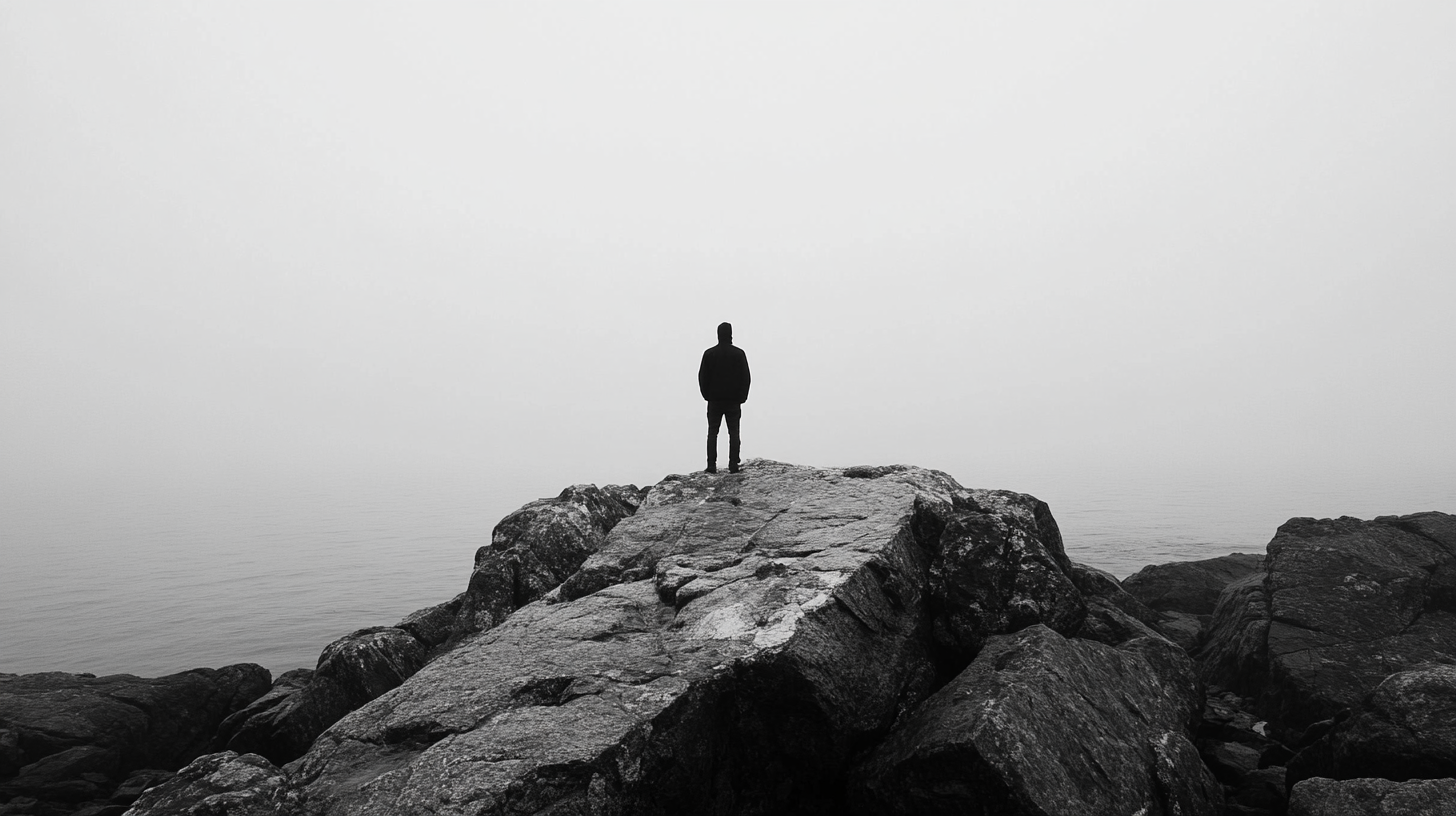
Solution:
(1113, 616)
(1185, 593)
(137, 783)
(1041, 724)
(70, 737)
(433, 625)
(1257, 793)
(100, 809)
(1405, 729)
(537, 547)
(1372, 797)
(1342, 603)
(1236, 748)
(351, 671)
(1190, 587)
(532, 549)
(1183, 628)
(60, 777)
(1000, 567)
(730, 646)
(222, 784)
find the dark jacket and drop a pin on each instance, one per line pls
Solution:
(723, 376)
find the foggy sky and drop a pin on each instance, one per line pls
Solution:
(270, 237)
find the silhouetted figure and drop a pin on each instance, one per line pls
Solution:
(723, 380)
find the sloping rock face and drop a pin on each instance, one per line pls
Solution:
(1342, 604)
(1373, 797)
(74, 737)
(1041, 724)
(1405, 729)
(727, 650)
(537, 547)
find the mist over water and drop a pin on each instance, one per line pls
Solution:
(149, 579)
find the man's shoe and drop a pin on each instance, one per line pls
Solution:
(733, 468)
(711, 469)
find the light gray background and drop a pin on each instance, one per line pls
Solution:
(260, 235)
(318, 243)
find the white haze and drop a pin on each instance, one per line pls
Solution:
(270, 241)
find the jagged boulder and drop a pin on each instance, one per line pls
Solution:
(1405, 729)
(351, 671)
(222, 784)
(70, 738)
(1373, 797)
(729, 647)
(536, 548)
(433, 625)
(1042, 724)
(1342, 603)
(1000, 566)
(1113, 616)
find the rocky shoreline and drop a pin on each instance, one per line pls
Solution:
(871, 640)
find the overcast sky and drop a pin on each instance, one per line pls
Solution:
(252, 238)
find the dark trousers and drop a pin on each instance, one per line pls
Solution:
(717, 412)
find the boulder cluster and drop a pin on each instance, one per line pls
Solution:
(794, 640)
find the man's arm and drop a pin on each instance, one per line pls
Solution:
(747, 380)
(703, 375)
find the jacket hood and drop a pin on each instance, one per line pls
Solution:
(725, 333)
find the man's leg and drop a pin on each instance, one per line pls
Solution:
(733, 414)
(715, 421)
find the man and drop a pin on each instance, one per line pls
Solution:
(723, 380)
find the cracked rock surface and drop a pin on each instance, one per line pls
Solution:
(1042, 724)
(1340, 605)
(727, 649)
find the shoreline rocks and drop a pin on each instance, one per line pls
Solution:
(1040, 723)
(1340, 605)
(874, 639)
(68, 739)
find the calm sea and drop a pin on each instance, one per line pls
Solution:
(150, 580)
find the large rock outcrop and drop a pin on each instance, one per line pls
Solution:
(730, 647)
(71, 738)
(1341, 604)
(1041, 724)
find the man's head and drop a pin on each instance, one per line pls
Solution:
(725, 332)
